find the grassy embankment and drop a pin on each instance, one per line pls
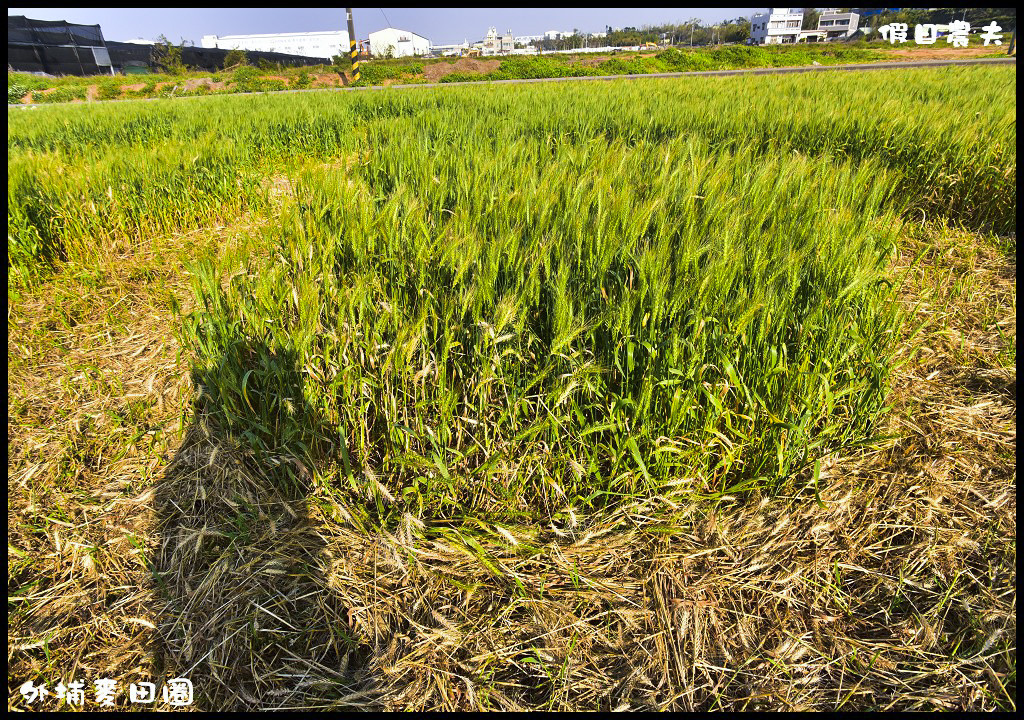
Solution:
(378, 72)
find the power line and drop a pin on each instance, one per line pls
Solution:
(385, 16)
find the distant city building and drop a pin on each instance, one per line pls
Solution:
(777, 26)
(311, 44)
(832, 25)
(491, 42)
(455, 49)
(399, 43)
(557, 34)
(495, 44)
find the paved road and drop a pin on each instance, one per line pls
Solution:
(703, 73)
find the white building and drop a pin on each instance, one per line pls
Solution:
(495, 44)
(527, 39)
(312, 44)
(835, 24)
(399, 43)
(777, 26)
(449, 50)
(832, 25)
(557, 34)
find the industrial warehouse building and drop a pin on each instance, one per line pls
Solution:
(310, 44)
(392, 42)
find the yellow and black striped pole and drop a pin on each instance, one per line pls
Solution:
(353, 50)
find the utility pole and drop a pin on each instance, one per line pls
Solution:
(1013, 41)
(353, 51)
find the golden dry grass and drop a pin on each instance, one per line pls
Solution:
(140, 550)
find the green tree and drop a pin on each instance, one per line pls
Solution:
(235, 57)
(811, 16)
(167, 56)
(342, 60)
(735, 31)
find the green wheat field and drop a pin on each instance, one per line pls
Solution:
(491, 326)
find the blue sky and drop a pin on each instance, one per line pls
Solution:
(440, 25)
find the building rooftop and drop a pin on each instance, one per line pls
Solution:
(399, 30)
(276, 35)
